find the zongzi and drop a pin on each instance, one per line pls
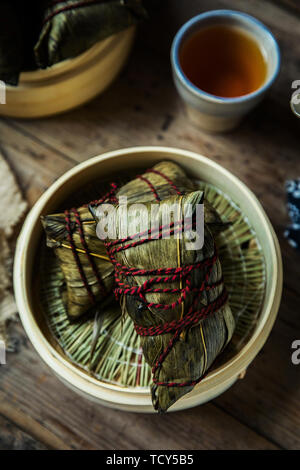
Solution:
(40, 34)
(175, 296)
(71, 27)
(83, 258)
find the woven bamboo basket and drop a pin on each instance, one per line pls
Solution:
(70, 83)
(102, 167)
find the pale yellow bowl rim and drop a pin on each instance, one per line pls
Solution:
(77, 378)
(61, 69)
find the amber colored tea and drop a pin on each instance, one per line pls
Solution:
(223, 61)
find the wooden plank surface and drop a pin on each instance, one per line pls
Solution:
(13, 438)
(80, 424)
(142, 107)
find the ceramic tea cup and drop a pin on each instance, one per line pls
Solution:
(209, 111)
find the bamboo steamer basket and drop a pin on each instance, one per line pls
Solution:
(71, 82)
(102, 166)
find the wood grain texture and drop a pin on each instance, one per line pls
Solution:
(13, 438)
(83, 425)
(142, 107)
(293, 5)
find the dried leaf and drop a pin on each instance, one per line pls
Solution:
(193, 352)
(163, 180)
(70, 28)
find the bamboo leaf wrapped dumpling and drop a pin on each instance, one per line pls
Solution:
(83, 258)
(176, 299)
(70, 27)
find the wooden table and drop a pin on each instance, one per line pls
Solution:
(260, 412)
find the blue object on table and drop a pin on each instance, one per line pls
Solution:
(292, 233)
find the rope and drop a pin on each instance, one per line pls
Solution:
(152, 188)
(109, 196)
(69, 7)
(77, 258)
(164, 276)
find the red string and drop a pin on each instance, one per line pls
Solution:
(192, 318)
(162, 231)
(70, 7)
(109, 196)
(171, 183)
(139, 367)
(168, 275)
(152, 188)
(147, 233)
(162, 275)
(77, 258)
(87, 251)
(183, 272)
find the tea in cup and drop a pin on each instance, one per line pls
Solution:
(223, 63)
